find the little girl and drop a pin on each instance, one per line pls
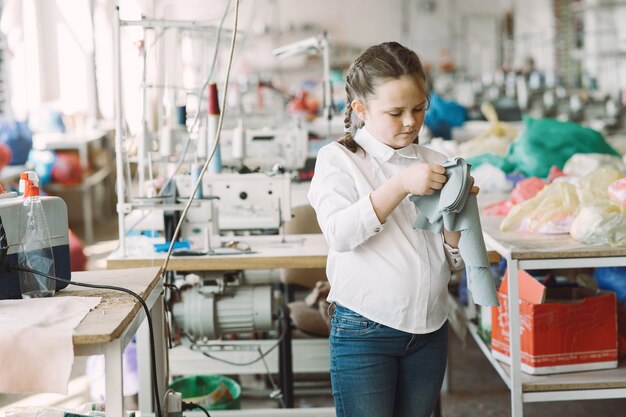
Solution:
(389, 333)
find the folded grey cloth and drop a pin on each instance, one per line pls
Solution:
(456, 209)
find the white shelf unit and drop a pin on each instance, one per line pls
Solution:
(126, 201)
(530, 251)
(80, 142)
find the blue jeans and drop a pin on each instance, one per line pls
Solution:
(377, 371)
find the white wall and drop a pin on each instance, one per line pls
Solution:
(605, 45)
(468, 30)
(534, 33)
(464, 28)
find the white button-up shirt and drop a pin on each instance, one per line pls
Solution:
(390, 273)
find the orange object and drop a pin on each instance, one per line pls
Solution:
(562, 329)
(5, 155)
(33, 190)
(67, 170)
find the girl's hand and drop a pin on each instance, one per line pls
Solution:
(474, 189)
(423, 179)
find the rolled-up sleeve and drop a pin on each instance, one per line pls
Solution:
(337, 193)
(454, 258)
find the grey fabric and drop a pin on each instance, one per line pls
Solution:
(454, 208)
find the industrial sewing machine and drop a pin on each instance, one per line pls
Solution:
(10, 219)
(230, 204)
(243, 202)
(265, 147)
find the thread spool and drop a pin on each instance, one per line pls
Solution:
(215, 166)
(165, 141)
(181, 113)
(238, 147)
(195, 174)
(203, 140)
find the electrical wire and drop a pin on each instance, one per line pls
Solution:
(155, 389)
(217, 142)
(262, 356)
(191, 406)
(198, 348)
(277, 393)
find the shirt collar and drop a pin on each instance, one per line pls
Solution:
(381, 151)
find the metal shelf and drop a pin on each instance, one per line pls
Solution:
(607, 383)
(529, 251)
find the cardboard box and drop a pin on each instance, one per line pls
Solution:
(562, 329)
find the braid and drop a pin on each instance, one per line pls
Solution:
(347, 139)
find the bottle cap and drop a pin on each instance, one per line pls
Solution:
(214, 105)
(33, 190)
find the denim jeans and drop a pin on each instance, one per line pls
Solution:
(377, 371)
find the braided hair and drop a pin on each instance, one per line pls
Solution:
(388, 60)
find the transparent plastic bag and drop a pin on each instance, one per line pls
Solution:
(595, 185)
(550, 211)
(600, 223)
(581, 164)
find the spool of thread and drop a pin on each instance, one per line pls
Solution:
(165, 141)
(238, 147)
(215, 166)
(181, 112)
(195, 174)
(203, 140)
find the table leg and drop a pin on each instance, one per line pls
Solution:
(146, 403)
(160, 345)
(88, 214)
(514, 340)
(285, 358)
(113, 378)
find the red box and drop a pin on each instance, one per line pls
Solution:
(562, 329)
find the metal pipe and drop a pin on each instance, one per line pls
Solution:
(119, 151)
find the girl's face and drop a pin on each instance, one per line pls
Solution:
(394, 114)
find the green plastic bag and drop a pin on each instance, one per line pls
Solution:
(545, 143)
(548, 142)
(490, 158)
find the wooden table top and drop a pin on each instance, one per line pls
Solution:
(108, 320)
(268, 252)
(526, 245)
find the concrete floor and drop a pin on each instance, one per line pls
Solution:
(476, 388)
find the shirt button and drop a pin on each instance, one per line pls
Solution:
(377, 229)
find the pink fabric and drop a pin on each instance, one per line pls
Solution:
(617, 191)
(524, 190)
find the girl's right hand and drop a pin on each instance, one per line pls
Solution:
(423, 179)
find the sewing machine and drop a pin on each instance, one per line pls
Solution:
(264, 147)
(10, 218)
(244, 202)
